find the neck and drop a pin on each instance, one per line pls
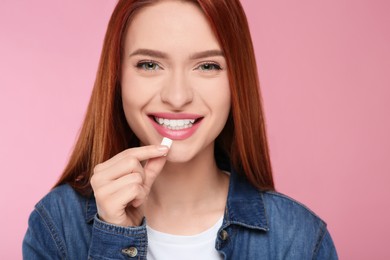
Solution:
(188, 186)
(187, 198)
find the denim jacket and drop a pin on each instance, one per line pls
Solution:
(256, 225)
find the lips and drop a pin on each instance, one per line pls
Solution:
(176, 126)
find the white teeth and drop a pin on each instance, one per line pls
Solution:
(175, 124)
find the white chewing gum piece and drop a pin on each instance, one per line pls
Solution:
(167, 142)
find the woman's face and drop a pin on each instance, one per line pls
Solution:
(174, 79)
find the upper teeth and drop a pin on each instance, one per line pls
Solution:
(175, 122)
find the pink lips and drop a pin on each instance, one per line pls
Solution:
(178, 134)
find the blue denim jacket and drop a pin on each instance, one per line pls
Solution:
(256, 225)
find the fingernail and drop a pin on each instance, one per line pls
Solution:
(166, 143)
(163, 148)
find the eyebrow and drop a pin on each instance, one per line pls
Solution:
(163, 55)
(205, 54)
(148, 52)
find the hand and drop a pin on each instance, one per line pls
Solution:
(121, 184)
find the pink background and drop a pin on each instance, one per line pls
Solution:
(325, 75)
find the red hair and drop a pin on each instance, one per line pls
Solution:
(105, 131)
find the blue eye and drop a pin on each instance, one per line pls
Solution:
(148, 65)
(209, 67)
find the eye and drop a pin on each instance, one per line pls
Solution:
(148, 65)
(209, 66)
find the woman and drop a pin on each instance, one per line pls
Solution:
(183, 70)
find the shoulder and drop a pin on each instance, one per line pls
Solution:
(61, 198)
(47, 229)
(284, 213)
(294, 224)
(63, 202)
(63, 192)
(278, 205)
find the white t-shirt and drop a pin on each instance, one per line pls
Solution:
(163, 246)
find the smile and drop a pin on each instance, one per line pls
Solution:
(176, 126)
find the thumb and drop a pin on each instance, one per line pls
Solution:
(152, 169)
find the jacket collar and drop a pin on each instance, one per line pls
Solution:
(245, 206)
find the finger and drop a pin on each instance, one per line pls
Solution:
(121, 168)
(152, 169)
(126, 195)
(112, 209)
(140, 153)
(112, 187)
(124, 163)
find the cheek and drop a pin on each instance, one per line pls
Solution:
(224, 109)
(217, 96)
(218, 99)
(134, 98)
(136, 93)
(224, 103)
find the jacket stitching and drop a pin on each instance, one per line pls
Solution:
(60, 244)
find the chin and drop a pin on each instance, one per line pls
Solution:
(184, 153)
(177, 157)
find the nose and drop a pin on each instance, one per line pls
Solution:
(177, 91)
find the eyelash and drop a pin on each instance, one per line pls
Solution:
(142, 65)
(215, 65)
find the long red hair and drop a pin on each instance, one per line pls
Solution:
(105, 131)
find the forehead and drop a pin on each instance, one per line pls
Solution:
(171, 25)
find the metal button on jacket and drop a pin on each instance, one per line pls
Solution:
(131, 251)
(224, 235)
